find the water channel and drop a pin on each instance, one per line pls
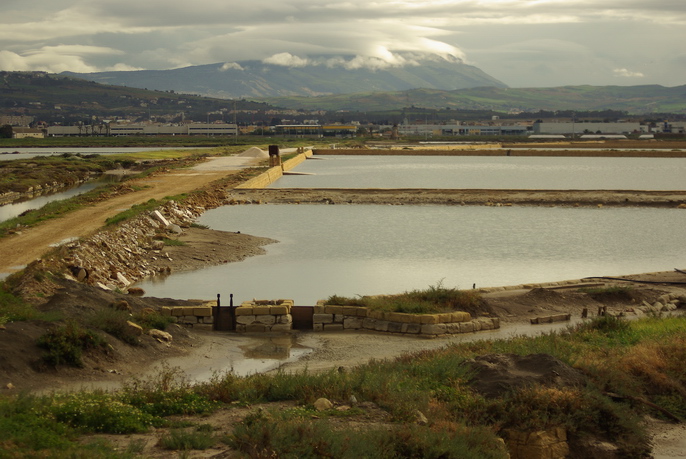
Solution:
(9, 154)
(372, 249)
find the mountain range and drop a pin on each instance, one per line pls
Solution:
(256, 79)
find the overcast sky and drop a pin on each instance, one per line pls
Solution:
(523, 43)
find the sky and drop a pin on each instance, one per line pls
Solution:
(523, 43)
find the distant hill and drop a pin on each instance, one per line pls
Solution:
(632, 99)
(255, 79)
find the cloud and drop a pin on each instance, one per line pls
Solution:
(230, 66)
(59, 58)
(286, 60)
(625, 73)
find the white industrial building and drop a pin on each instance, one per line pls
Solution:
(586, 128)
(143, 130)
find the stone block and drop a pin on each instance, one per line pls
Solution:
(353, 311)
(461, 316)
(375, 314)
(399, 317)
(352, 323)
(411, 328)
(244, 311)
(318, 327)
(165, 311)
(381, 325)
(189, 311)
(255, 328)
(331, 309)
(208, 320)
(177, 312)
(319, 309)
(466, 327)
(433, 329)
(369, 323)
(260, 310)
(202, 312)
(282, 327)
(338, 318)
(265, 319)
(278, 310)
(445, 317)
(486, 324)
(477, 325)
(284, 319)
(322, 318)
(395, 327)
(240, 328)
(245, 320)
(429, 319)
(333, 327)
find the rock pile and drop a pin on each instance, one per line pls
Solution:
(116, 258)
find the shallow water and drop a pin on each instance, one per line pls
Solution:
(372, 249)
(479, 172)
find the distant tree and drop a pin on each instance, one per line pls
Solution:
(6, 132)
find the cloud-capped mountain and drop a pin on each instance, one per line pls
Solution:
(254, 79)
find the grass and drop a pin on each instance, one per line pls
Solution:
(435, 299)
(14, 309)
(642, 358)
(65, 345)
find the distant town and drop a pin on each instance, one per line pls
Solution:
(26, 126)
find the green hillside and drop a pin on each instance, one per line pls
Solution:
(631, 99)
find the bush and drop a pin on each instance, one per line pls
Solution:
(115, 323)
(185, 440)
(99, 412)
(65, 345)
(432, 300)
(153, 319)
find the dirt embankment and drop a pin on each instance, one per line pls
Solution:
(569, 198)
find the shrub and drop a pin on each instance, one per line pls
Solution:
(432, 300)
(65, 345)
(153, 319)
(115, 323)
(99, 412)
(185, 440)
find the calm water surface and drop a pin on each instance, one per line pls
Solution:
(499, 172)
(371, 249)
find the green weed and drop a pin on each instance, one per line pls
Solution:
(184, 440)
(65, 345)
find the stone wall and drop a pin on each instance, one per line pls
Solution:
(264, 316)
(190, 314)
(274, 173)
(334, 318)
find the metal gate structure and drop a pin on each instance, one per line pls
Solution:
(303, 317)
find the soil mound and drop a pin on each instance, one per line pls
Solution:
(254, 152)
(497, 374)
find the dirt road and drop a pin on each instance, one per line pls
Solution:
(23, 247)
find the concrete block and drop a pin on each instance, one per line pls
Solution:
(322, 318)
(333, 327)
(244, 311)
(202, 312)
